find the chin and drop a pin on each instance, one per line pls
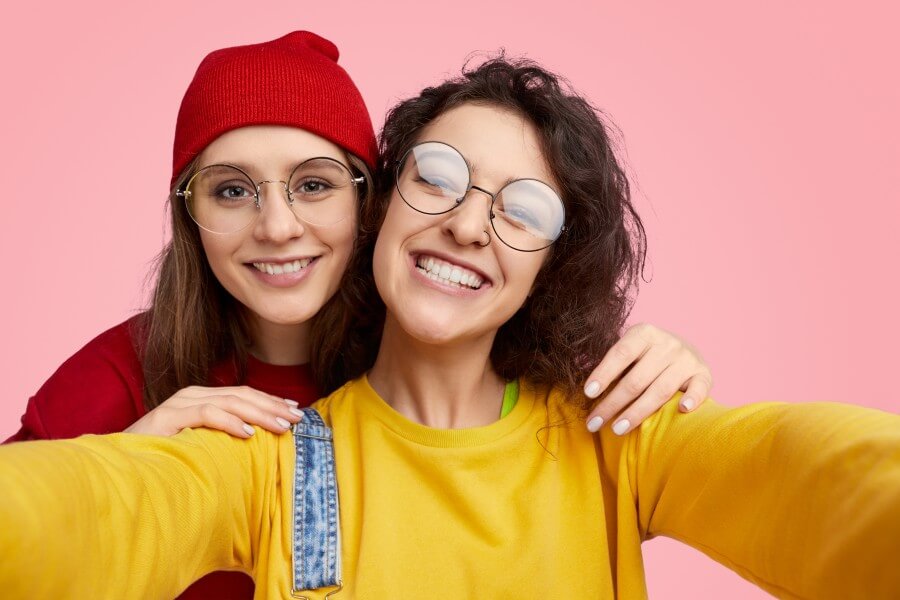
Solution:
(429, 331)
(285, 317)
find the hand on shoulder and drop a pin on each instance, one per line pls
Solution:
(234, 410)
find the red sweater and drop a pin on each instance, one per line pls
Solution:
(100, 390)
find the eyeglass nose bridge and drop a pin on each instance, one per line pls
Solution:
(490, 195)
(284, 184)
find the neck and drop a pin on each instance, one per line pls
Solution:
(279, 344)
(449, 386)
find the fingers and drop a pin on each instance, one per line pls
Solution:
(213, 417)
(651, 364)
(167, 421)
(253, 406)
(635, 382)
(274, 416)
(616, 361)
(234, 410)
(697, 390)
(651, 400)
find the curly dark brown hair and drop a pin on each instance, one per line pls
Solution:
(585, 291)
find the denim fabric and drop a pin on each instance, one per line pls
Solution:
(316, 553)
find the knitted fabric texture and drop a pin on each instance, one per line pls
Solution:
(294, 80)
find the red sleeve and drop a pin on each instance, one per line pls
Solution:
(98, 390)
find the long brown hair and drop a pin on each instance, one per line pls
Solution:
(585, 291)
(193, 323)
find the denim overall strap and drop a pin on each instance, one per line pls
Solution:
(316, 552)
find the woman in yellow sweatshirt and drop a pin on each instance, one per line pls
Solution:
(462, 464)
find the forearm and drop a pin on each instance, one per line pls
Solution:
(802, 499)
(117, 516)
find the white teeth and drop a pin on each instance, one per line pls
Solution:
(447, 273)
(282, 268)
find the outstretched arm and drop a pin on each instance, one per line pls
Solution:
(801, 499)
(126, 516)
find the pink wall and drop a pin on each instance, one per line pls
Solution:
(764, 144)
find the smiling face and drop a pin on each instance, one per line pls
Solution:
(279, 267)
(436, 279)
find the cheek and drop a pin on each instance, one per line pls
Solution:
(380, 262)
(341, 240)
(521, 272)
(218, 251)
(387, 244)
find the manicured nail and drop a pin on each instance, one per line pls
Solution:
(592, 389)
(291, 402)
(621, 426)
(249, 429)
(594, 424)
(296, 412)
(687, 404)
(284, 424)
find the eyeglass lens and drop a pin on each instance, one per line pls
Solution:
(526, 215)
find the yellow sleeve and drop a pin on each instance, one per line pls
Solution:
(130, 516)
(801, 499)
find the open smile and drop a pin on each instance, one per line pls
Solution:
(283, 267)
(448, 273)
(282, 273)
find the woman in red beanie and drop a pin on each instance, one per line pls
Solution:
(272, 154)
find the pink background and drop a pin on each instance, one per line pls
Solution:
(763, 142)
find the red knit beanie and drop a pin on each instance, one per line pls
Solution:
(294, 80)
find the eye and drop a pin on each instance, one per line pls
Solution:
(233, 191)
(521, 217)
(312, 188)
(435, 181)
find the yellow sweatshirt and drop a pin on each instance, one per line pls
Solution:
(804, 500)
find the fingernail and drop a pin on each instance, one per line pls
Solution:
(594, 424)
(592, 389)
(249, 429)
(621, 426)
(687, 404)
(296, 412)
(284, 424)
(291, 402)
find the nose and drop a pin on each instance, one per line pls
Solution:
(276, 221)
(468, 221)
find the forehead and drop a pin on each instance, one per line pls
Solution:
(265, 146)
(498, 143)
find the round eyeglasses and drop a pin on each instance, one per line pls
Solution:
(223, 198)
(526, 214)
